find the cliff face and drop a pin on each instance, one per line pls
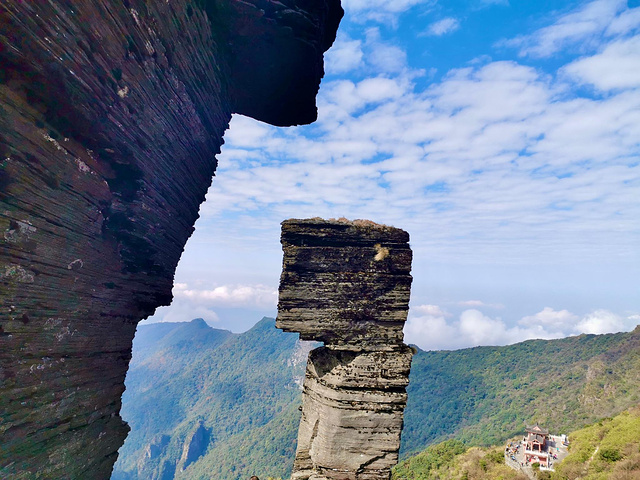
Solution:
(348, 284)
(111, 114)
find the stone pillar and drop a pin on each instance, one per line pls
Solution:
(347, 284)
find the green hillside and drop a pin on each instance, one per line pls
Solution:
(483, 395)
(453, 460)
(606, 450)
(206, 403)
(243, 390)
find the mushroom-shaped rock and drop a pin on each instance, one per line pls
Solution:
(347, 284)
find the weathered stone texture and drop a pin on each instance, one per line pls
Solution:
(348, 284)
(111, 114)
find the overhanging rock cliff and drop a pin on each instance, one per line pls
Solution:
(347, 284)
(111, 114)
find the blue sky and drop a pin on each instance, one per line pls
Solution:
(504, 136)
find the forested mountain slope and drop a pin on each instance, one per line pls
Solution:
(206, 397)
(483, 395)
(206, 403)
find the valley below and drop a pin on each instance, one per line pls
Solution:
(207, 403)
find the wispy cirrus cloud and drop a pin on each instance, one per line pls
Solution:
(479, 304)
(581, 29)
(442, 27)
(382, 11)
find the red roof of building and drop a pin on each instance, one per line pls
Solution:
(537, 430)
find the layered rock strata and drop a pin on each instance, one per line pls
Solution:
(347, 284)
(111, 114)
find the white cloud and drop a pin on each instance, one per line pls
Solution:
(382, 56)
(247, 133)
(388, 58)
(479, 303)
(383, 11)
(617, 67)
(566, 323)
(627, 22)
(431, 332)
(396, 6)
(495, 162)
(235, 306)
(183, 312)
(347, 98)
(443, 27)
(431, 310)
(471, 303)
(582, 27)
(480, 329)
(548, 317)
(473, 328)
(345, 55)
(379, 89)
(228, 295)
(599, 322)
(428, 328)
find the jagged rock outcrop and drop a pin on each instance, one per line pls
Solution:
(195, 445)
(111, 114)
(347, 284)
(156, 447)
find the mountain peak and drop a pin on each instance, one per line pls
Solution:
(200, 323)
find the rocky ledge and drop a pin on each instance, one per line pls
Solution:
(347, 284)
(111, 114)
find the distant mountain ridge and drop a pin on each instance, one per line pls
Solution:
(244, 390)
